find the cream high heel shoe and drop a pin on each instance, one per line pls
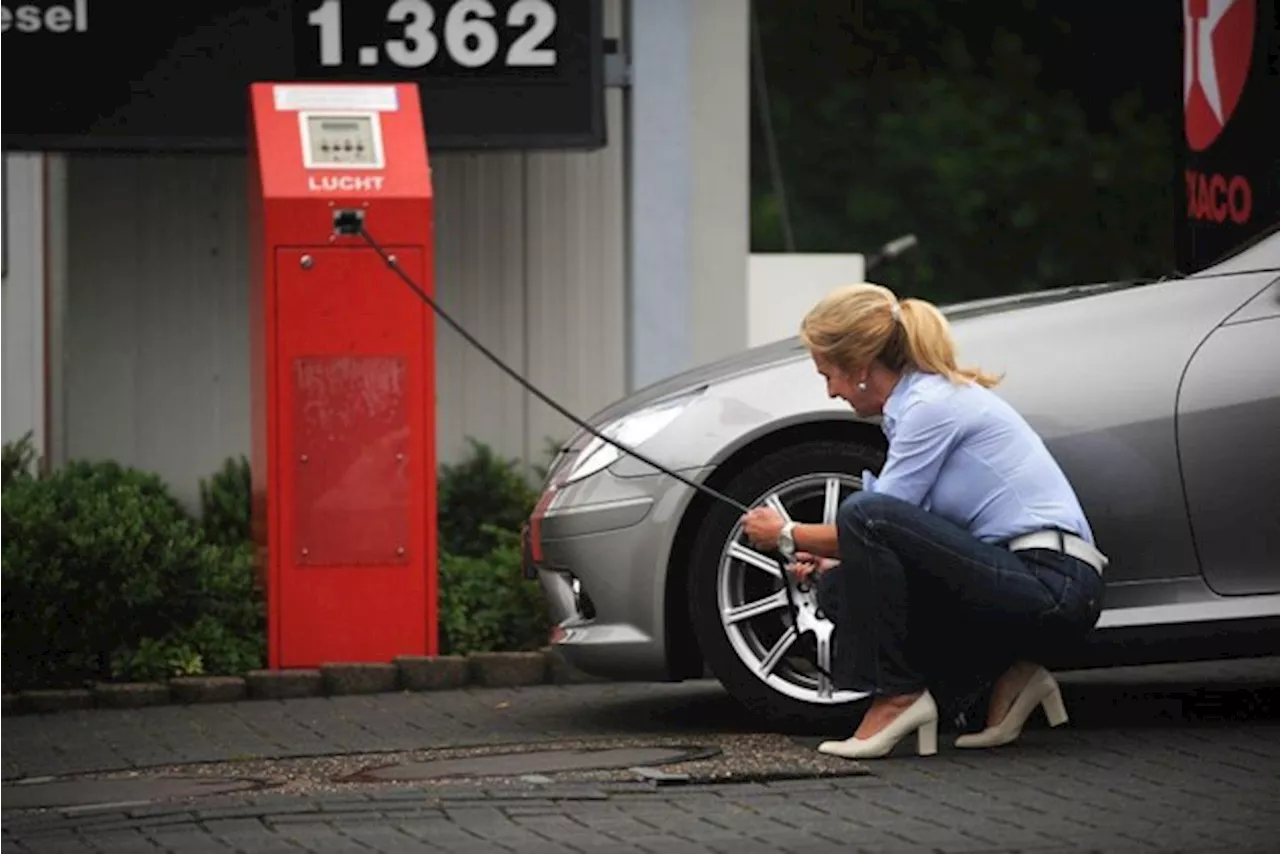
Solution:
(920, 717)
(1041, 690)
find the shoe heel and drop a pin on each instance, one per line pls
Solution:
(927, 738)
(1055, 711)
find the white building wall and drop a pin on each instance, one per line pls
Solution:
(783, 286)
(689, 131)
(23, 406)
(530, 259)
(157, 314)
(531, 262)
(720, 180)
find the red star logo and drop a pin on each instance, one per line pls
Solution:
(1217, 50)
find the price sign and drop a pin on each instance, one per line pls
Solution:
(492, 73)
(464, 35)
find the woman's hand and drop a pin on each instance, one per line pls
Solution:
(762, 526)
(807, 564)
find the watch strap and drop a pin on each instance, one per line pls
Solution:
(787, 541)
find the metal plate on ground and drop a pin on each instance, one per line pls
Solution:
(110, 792)
(517, 764)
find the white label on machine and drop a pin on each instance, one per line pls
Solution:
(341, 140)
(356, 183)
(381, 98)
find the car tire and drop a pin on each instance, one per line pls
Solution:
(752, 485)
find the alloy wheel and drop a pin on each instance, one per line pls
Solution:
(754, 596)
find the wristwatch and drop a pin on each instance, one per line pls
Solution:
(786, 541)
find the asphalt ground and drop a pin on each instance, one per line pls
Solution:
(1163, 758)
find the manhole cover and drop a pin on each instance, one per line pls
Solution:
(132, 790)
(537, 762)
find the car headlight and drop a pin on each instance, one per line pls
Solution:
(631, 430)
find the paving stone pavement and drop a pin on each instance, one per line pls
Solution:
(107, 739)
(1155, 759)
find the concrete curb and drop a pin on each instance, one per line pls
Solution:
(413, 673)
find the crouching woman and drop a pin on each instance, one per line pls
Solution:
(969, 554)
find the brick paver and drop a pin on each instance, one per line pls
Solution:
(108, 739)
(1014, 803)
(1159, 759)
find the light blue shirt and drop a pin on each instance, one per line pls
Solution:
(963, 452)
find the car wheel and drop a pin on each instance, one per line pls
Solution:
(763, 654)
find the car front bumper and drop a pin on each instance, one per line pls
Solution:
(600, 550)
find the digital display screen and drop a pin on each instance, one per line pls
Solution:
(351, 142)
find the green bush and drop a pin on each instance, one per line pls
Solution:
(221, 629)
(485, 604)
(107, 575)
(480, 493)
(18, 460)
(226, 503)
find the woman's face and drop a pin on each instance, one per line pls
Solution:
(845, 387)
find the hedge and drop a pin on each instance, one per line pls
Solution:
(107, 577)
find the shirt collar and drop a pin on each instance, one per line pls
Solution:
(897, 399)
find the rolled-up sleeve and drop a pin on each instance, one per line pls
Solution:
(924, 436)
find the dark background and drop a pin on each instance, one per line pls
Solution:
(1027, 143)
(173, 76)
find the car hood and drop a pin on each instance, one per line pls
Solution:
(791, 349)
(756, 358)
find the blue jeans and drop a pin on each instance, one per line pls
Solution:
(919, 602)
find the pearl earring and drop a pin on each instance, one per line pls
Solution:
(862, 386)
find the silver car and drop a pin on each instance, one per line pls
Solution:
(1161, 401)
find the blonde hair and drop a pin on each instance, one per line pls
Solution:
(857, 324)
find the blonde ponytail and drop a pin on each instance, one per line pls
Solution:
(930, 347)
(856, 324)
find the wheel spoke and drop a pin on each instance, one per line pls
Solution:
(755, 609)
(822, 641)
(748, 555)
(831, 501)
(780, 648)
(776, 503)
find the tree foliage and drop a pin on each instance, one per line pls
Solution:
(939, 119)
